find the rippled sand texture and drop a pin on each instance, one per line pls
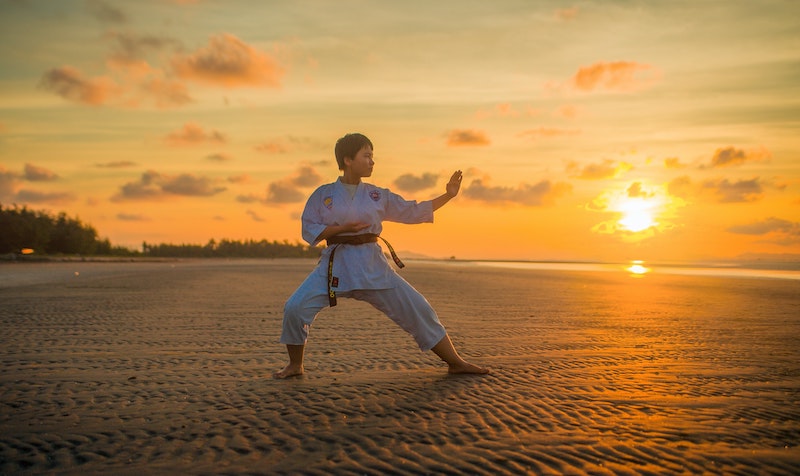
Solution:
(165, 368)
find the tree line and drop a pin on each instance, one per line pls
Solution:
(25, 231)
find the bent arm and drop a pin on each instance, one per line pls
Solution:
(333, 230)
(452, 188)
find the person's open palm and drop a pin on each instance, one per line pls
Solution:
(454, 185)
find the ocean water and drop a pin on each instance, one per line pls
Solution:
(639, 268)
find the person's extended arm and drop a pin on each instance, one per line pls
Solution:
(453, 186)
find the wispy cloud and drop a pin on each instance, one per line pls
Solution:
(283, 192)
(566, 14)
(131, 217)
(731, 156)
(547, 132)
(636, 190)
(776, 230)
(620, 76)
(606, 169)
(192, 133)
(219, 157)
(673, 163)
(466, 137)
(722, 190)
(288, 144)
(69, 83)
(116, 164)
(239, 179)
(155, 186)
(255, 216)
(39, 174)
(291, 189)
(106, 13)
(738, 191)
(230, 62)
(415, 183)
(542, 193)
(35, 196)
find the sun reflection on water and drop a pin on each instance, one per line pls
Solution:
(637, 268)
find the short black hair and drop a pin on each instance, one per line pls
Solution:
(349, 145)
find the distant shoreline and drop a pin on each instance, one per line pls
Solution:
(546, 264)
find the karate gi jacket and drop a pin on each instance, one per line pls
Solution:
(359, 266)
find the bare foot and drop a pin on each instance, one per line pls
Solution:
(466, 368)
(289, 371)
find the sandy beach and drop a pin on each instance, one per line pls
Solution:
(165, 368)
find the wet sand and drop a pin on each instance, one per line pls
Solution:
(129, 368)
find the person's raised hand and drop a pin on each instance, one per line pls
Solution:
(454, 185)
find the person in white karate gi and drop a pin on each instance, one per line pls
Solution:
(348, 215)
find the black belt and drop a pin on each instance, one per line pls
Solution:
(335, 241)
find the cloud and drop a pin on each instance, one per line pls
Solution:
(413, 183)
(567, 111)
(306, 176)
(155, 186)
(190, 186)
(192, 133)
(105, 12)
(129, 81)
(39, 174)
(721, 190)
(255, 216)
(566, 14)
(132, 49)
(547, 132)
(131, 217)
(229, 62)
(637, 191)
(540, 194)
(732, 192)
(34, 196)
(70, 83)
(730, 156)
(219, 157)
(783, 232)
(165, 93)
(248, 198)
(465, 137)
(272, 148)
(288, 189)
(606, 169)
(506, 110)
(244, 178)
(673, 163)
(623, 76)
(680, 187)
(8, 184)
(283, 192)
(117, 164)
(285, 145)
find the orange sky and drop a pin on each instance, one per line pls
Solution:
(613, 130)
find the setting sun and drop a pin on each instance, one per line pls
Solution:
(637, 215)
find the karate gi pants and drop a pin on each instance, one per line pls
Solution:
(401, 303)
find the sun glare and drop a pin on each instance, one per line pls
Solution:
(637, 214)
(637, 267)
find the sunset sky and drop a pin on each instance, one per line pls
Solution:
(587, 130)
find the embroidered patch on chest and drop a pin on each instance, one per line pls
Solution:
(375, 195)
(328, 202)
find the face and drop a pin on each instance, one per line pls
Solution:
(361, 165)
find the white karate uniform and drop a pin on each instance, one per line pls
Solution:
(363, 271)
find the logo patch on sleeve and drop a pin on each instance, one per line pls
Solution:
(375, 195)
(328, 202)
